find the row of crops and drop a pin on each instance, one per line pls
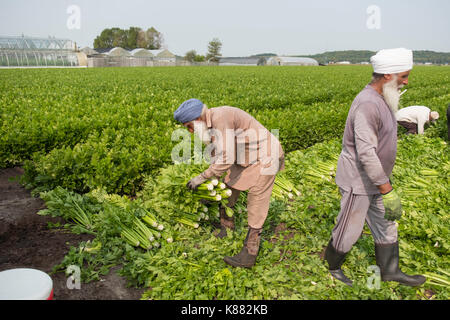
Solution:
(96, 146)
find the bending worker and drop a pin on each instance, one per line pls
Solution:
(249, 154)
(414, 118)
(367, 159)
(448, 122)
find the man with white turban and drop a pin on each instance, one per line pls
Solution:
(414, 118)
(367, 159)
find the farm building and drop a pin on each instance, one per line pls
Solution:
(39, 52)
(118, 52)
(141, 52)
(291, 61)
(163, 57)
(238, 61)
(120, 57)
(88, 51)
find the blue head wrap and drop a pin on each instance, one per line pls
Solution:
(189, 110)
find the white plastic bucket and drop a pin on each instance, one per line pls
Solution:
(25, 284)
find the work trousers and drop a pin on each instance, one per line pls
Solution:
(355, 210)
(411, 127)
(258, 200)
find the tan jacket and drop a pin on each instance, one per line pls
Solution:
(243, 148)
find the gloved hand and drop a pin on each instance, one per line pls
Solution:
(195, 182)
(392, 205)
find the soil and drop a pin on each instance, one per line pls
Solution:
(26, 241)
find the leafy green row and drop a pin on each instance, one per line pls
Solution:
(289, 265)
(83, 129)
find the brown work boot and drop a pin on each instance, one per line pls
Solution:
(247, 257)
(225, 223)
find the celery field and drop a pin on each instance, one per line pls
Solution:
(96, 145)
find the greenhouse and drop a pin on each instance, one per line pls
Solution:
(163, 57)
(291, 61)
(30, 51)
(141, 52)
(118, 52)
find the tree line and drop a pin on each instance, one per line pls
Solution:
(358, 56)
(131, 38)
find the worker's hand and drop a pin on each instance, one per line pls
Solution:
(195, 182)
(392, 205)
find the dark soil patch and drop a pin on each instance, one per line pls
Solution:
(26, 241)
(282, 233)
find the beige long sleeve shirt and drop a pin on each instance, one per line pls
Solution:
(243, 147)
(369, 145)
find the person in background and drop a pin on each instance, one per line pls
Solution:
(369, 149)
(448, 122)
(414, 118)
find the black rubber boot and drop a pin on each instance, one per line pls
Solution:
(225, 223)
(387, 257)
(335, 260)
(246, 258)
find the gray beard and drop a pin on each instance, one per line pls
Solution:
(391, 94)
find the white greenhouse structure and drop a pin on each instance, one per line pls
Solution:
(291, 61)
(163, 57)
(40, 52)
(118, 52)
(120, 57)
(141, 52)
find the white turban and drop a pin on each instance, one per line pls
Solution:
(390, 61)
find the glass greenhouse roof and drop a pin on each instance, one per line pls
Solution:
(29, 51)
(30, 43)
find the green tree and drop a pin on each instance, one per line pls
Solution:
(214, 48)
(141, 41)
(190, 55)
(104, 40)
(199, 58)
(155, 39)
(119, 37)
(131, 38)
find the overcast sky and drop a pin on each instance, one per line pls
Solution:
(245, 27)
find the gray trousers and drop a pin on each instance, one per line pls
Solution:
(355, 210)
